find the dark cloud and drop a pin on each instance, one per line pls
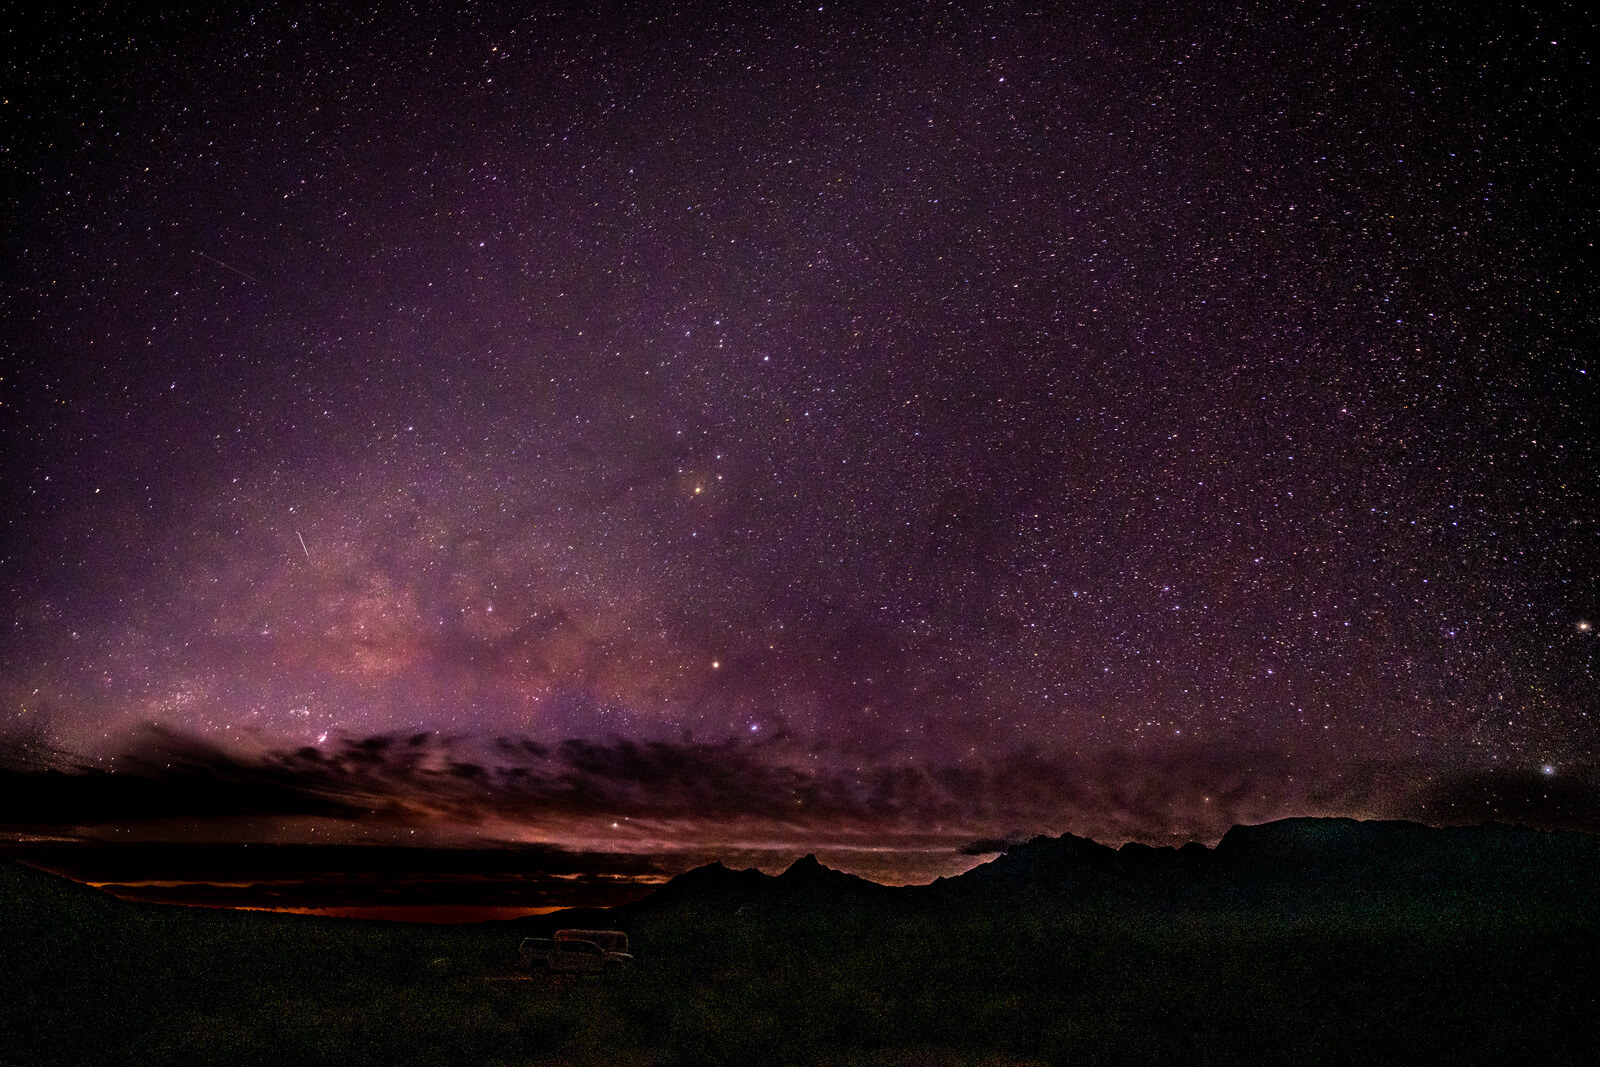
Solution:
(767, 787)
(169, 777)
(352, 876)
(186, 861)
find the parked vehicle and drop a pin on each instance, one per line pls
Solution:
(576, 952)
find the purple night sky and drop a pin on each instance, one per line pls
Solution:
(664, 433)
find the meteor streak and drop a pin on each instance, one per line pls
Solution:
(227, 266)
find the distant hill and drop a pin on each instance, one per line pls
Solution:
(1303, 861)
(1289, 864)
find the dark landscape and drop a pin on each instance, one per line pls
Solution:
(1300, 941)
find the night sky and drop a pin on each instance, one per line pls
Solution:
(662, 433)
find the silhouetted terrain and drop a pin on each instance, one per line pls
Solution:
(1314, 941)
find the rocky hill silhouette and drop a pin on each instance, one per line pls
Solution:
(806, 882)
(1285, 866)
(1308, 860)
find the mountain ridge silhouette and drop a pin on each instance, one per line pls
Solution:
(1287, 864)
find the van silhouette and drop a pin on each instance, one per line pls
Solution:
(575, 952)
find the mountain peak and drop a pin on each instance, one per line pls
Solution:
(807, 866)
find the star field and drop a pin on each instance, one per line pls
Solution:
(1117, 385)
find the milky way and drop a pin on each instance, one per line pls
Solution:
(1146, 394)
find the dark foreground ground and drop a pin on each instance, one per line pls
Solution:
(85, 978)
